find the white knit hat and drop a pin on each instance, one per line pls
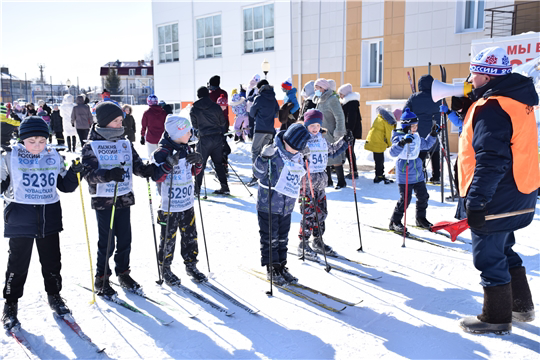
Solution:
(177, 126)
(492, 61)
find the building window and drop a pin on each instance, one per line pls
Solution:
(131, 72)
(144, 72)
(470, 16)
(372, 62)
(132, 86)
(168, 43)
(209, 37)
(259, 29)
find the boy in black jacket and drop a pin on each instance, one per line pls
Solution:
(56, 125)
(31, 173)
(186, 164)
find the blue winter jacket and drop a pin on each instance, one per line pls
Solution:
(416, 173)
(264, 110)
(290, 96)
(493, 187)
(281, 204)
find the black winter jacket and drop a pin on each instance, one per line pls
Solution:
(353, 119)
(423, 106)
(129, 127)
(207, 118)
(493, 187)
(264, 110)
(56, 122)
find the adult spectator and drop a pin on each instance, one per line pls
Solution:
(264, 110)
(42, 104)
(217, 93)
(30, 110)
(251, 93)
(65, 112)
(498, 173)
(350, 103)
(129, 123)
(207, 118)
(428, 113)
(153, 124)
(308, 92)
(334, 123)
(81, 118)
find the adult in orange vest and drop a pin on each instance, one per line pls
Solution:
(498, 173)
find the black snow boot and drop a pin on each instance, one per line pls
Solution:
(128, 283)
(103, 287)
(341, 178)
(496, 317)
(423, 223)
(522, 307)
(191, 270)
(58, 305)
(287, 276)
(329, 174)
(253, 181)
(276, 276)
(9, 317)
(169, 277)
(223, 191)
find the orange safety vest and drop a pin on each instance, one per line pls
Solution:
(524, 146)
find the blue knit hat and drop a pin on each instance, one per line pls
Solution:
(33, 126)
(296, 136)
(408, 118)
(313, 116)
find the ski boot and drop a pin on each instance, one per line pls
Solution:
(287, 276)
(128, 283)
(423, 223)
(223, 191)
(169, 277)
(349, 176)
(435, 180)
(308, 252)
(9, 317)
(253, 181)
(276, 276)
(103, 287)
(58, 305)
(191, 270)
(341, 178)
(318, 247)
(397, 227)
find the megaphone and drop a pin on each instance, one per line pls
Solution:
(440, 90)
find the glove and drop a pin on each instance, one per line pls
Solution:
(406, 140)
(172, 160)
(148, 171)
(77, 167)
(349, 137)
(435, 129)
(115, 174)
(476, 218)
(194, 158)
(268, 151)
(305, 153)
(142, 140)
(443, 108)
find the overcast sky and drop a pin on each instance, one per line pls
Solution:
(73, 38)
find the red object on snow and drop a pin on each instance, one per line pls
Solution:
(454, 228)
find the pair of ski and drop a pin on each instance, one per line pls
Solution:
(291, 289)
(17, 334)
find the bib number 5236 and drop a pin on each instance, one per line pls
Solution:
(38, 180)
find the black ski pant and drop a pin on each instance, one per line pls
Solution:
(121, 232)
(59, 137)
(379, 164)
(435, 159)
(20, 252)
(281, 225)
(251, 126)
(185, 222)
(212, 146)
(83, 135)
(71, 142)
(348, 154)
(422, 197)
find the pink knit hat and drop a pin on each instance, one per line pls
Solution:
(345, 89)
(322, 83)
(397, 113)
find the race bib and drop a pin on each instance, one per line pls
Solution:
(180, 195)
(318, 157)
(290, 179)
(111, 154)
(34, 177)
(411, 151)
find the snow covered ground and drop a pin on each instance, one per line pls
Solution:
(412, 311)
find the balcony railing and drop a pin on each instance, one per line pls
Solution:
(513, 19)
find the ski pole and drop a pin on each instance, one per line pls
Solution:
(406, 198)
(153, 224)
(315, 201)
(271, 266)
(166, 235)
(204, 180)
(303, 258)
(356, 202)
(87, 238)
(239, 178)
(203, 234)
(105, 273)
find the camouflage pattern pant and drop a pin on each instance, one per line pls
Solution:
(308, 212)
(185, 221)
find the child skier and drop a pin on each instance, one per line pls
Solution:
(241, 123)
(379, 139)
(182, 214)
(285, 175)
(406, 145)
(110, 161)
(319, 151)
(31, 173)
(57, 125)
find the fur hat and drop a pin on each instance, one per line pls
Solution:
(313, 116)
(33, 126)
(492, 61)
(296, 136)
(177, 126)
